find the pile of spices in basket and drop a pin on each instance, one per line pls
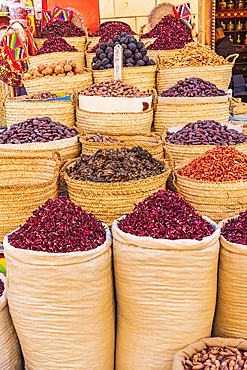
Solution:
(61, 68)
(54, 45)
(1, 288)
(134, 53)
(98, 138)
(112, 28)
(59, 226)
(192, 55)
(235, 229)
(36, 130)
(191, 87)
(115, 165)
(217, 358)
(206, 133)
(217, 165)
(39, 96)
(61, 28)
(114, 88)
(165, 215)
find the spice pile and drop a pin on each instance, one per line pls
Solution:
(134, 53)
(217, 165)
(60, 68)
(171, 34)
(98, 138)
(193, 86)
(59, 226)
(115, 165)
(61, 28)
(114, 88)
(39, 96)
(193, 54)
(217, 358)
(111, 29)
(1, 288)
(165, 215)
(206, 133)
(36, 130)
(54, 45)
(235, 229)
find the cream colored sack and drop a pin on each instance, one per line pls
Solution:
(62, 307)
(231, 310)
(166, 295)
(10, 354)
(187, 352)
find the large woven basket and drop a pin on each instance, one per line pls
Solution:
(148, 41)
(114, 123)
(141, 77)
(2, 108)
(67, 84)
(219, 75)
(89, 59)
(150, 142)
(216, 200)
(92, 42)
(78, 42)
(168, 115)
(109, 201)
(27, 181)
(155, 54)
(78, 57)
(62, 111)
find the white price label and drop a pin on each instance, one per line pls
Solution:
(118, 62)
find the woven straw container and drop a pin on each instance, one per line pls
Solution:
(27, 181)
(219, 75)
(92, 41)
(62, 111)
(155, 54)
(148, 41)
(67, 84)
(150, 142)
(2, 108)
(109, 201)
(168, 115)
(89, 59)
(114, 123)
(78, 42)
(78, 57)
(216, 200)
(141, 77)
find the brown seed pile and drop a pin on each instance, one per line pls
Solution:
(214, 358)
(114, 88)
(116, 165)
(192, 55)
(38, 96)
(98, 138)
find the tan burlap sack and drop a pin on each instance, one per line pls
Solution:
(183, 355)
(62, 307)
(231, 310)
(166, 295)
(10, 354)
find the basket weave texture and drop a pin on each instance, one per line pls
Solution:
(155, 54)
(78, 57)
(109, 201)
(78, 42)
(2, 108)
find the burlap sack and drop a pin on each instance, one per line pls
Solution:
(166, 295)
(62, 307)
(240, 108)
(231, 310)
(181, 356)
(10, 354)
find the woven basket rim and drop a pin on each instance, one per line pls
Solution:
(55, 78)
(209, 67)
(64, 37)
(115, 114)
(131, 69)
(56, 53)
(201, 146)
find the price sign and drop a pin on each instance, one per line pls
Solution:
(118, 62)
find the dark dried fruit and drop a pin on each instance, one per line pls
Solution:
(55, 45)
(61, 28)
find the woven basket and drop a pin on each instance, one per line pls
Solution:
(78, 42)
(141, 77)
(89, 59)
(148, 41)
(27, 181)
(114, 123)
(78, 57)
(109, 201)
(67, 84)
(219, 75)
(2, 108)
(62, 111)
(92, 41)
(168, 115)
(155, 54)
(150, 142)
(215, 200)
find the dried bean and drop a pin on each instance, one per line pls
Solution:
(193, 86)
(38, 96)
(114, 88)
(206, 133)
(59, 226)
(98, 138)
(166, 215)
(116, 165)
(36, 130)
